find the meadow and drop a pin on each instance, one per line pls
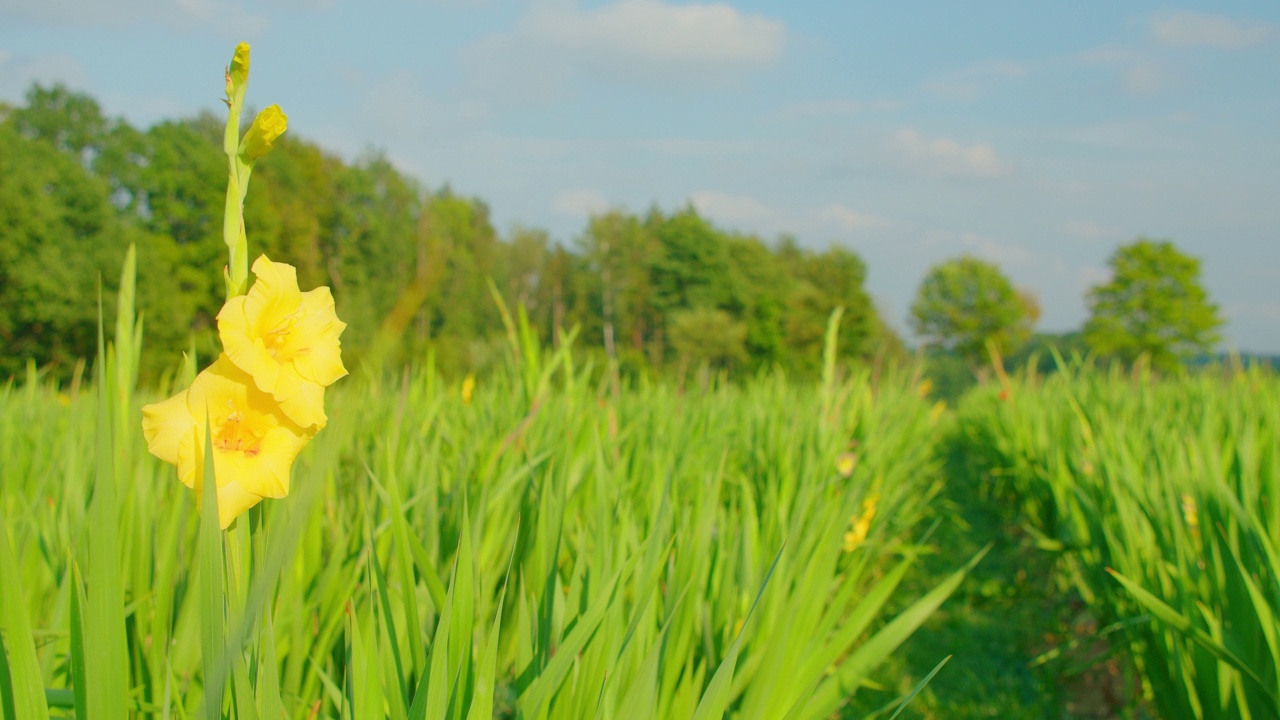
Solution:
(533, 545)
(546, 543)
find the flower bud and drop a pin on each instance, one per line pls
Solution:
(266, 129)
(238, 73)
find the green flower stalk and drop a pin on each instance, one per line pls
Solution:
(241, 156)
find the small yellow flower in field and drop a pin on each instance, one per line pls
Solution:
(254, 442)
(925, 387)
(861, 524)
(846, 463)
(936, 411)
(468, 387)
(287, 340)
(266, 129)
(1189, 511)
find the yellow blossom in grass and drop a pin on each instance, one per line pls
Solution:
(1189, 511)
(468, 387)
(286, 339)
(266, 129)
(936, 411)
(860, 524)
(925, 387)
(846, 463)
(254, 442)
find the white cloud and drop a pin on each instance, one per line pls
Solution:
(699, 148)
(227, 18)
(647, 41)
(842, 217)
(1262, 310)
(750, 214)
(579, 202)
(1090, 276)
(742, 211)
(1145, 78)
(19, 72)
(944, 158)
(1183, 28)
(836, 108)
(1088, 231)
(968, 83)
(996, 251)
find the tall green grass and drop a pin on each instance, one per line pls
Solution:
(1162, 497)
(550, 548)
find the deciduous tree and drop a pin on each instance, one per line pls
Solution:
(1153, 305)
(965, 303)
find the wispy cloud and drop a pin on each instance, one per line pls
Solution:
(646, 41)
(969, 83)
(224, 17)
(18, 72)
(1183, 28)
(945, 158)
(835, 108)
(579, 203)
(748, 213)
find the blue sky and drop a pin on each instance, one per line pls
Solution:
(1036, 135)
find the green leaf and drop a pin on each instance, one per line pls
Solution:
(716, 698)
(78, 681)
(106, 662)
(20, 679)
(213, 637)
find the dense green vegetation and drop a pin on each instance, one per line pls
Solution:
(538, 546)
(409, 266)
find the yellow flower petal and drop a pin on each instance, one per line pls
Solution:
(286, 339)
(321, 360)
(165, 425)
(254, 442)
(262, 135)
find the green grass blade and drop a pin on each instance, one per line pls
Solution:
(460, 635)
(213, 636)
(919, 686)
(1182, 624)
(486, 679)
(106, 665)
(540, 691)
(25, 698)
(78, 682)
(717, 695)
(827, 698)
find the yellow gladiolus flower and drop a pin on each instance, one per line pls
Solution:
(860, 525)
(239, 70)
(266, 129)
(254, 442)
(846, 463)
(287, 340)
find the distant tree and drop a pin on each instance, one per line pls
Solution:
(706, 335)
(965, 303)
(1153, 305)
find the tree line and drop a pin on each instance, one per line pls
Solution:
(413, 270)
(420, 272)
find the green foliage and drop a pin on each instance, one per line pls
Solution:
(966, 304)
(702, 335)
(1158, 498)
(542, 550)
(409, 267)
(1153, 305)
